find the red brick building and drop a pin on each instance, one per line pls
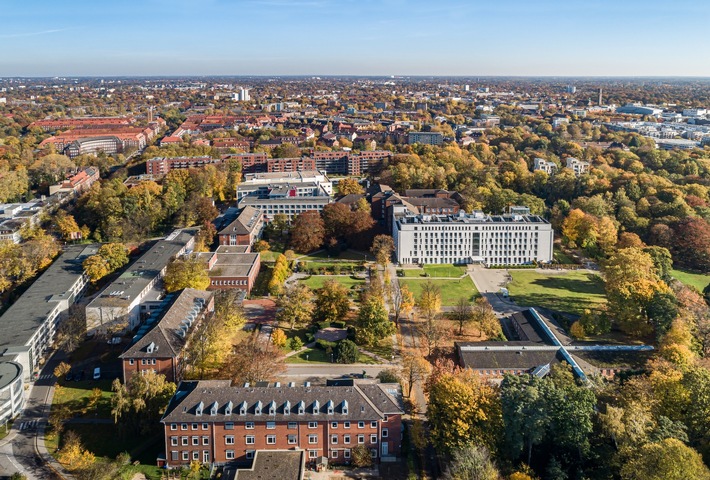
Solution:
(162, 348)
(232, 268)
(215, 423)
(244, 230)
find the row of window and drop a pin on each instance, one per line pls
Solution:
(229, 454)
(271, 425)
(271, 439)
(229, 282)
(144, 361)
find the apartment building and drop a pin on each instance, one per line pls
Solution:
(29, 326)
(117, 307)
(12, 397)
(542, 165)
(232, 268)
(516, 238)
(215, 423)
(244, 230)
(160, 343)
(77, 183)
(579, 167)
(425, 138)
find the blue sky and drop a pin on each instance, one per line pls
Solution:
(355, 37)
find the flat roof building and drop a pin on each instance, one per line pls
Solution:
(12, 398)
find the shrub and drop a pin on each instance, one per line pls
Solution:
(295, 343)
(388, 375)
(337, 324)
(325, 344)
(278, 338)
(361, 456)
(346, 352)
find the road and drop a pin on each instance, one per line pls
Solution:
(489, 281)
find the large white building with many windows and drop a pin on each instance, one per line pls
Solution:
(516, 238)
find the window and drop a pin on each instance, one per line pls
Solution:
(249, 440)
(312, 439)
(229, 426)
(312, 454)
(333, 424)
(373, 424)
(173, 426)
(249, 425)
(250, 454)
(185, 456)
(194, 426)
(229, 454)
(271, 439)
(346, 439)
(385, 432)
(292, 425)
(173, 441)
(205, 426)
(346, 424)
(205, 440)
(196, 455)
(131, 362)
(334, 454)
(142, 361)
(185, 441)
(361, 439)
(292, 439)
(195, 440)
(334, 439)
(270, 425)
(346, 453)
(229, 440)
(360, 424)
(373, 452)
(312, 424)
(174, 455)
(183, 426)
(373, 438)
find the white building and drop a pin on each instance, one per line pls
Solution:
(579, 167)
(516, 238)
(12, 398)
(544, 166)
(243, 95)
(694, 112)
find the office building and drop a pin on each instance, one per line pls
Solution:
(244, 230)
(232, 268)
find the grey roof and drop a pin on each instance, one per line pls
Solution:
(164, 338)
(275, 464)
(143, 271)
(362, 403)
(512, 358)
(27, 314)
(245, 223)
(230, 264)
(9, 372)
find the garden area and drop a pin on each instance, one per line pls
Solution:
(451, 290)
(697, 280)
(440, 271)
(315, 282)
(561, 291)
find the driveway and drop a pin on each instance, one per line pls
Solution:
(489, 281)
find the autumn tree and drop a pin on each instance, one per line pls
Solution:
(61, 369)
(414, 370)
(109, 258)
(429, 302)
(432, 333)
(462, 314)
(140, 402)
(692, 243)
(72, 329)
(278, 338)
(307, 232)
(402, 300)
(332, 302)
(252, 361)
(485, 318)
(668, 459)
(73, 455)
(350, 186)
(471, 462)
(67, 226)
(382, 249)
(296, 305)
(186, 272)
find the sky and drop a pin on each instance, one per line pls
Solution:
(355, 37)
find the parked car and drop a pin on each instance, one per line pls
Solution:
(97, 373)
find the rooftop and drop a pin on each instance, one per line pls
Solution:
(9, 372)
(274, 464)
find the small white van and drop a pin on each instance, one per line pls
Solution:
(97, 373)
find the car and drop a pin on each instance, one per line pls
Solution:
(69, 377)
(97, 373)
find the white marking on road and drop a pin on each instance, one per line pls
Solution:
(22, 426)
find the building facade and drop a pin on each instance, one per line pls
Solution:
(215, 423)
(425, 138)
(512, 239)
(244, 230)
(12, 396)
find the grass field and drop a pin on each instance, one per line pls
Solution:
(346, 255)
(451, 290)
(444, 270)
(317, 281)
(316, 355)
(75, 395)
(697, 280)
(563, 258)
(570, 292)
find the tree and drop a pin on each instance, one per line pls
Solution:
(296, 305)
(485, 317)
(382, 248)
(414, 370)
(261, 246)
(388, 375)
(253, 361)
(96, 267)
(429, 302)
(668, 459)
(72, 329)
(346, 352)
(332, 303)
(307, 232)
(462, 313)
(471, 463)
(73, 455)
(361, 456)
(278, 338)
(402, 300)
(186, 272)
(140, 402)
(115, 254)
(432, 333)
(373, 323)
(279, 274)
(67, 226)
(61, 369)
(350, 186)
(692, 243)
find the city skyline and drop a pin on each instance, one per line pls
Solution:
(348, 37)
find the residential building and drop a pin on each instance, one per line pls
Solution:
(244, 230)
(425, 138)
(544, 166)
(77, 183)
(12, 397)
(557, 121)
(29, 326)
(162, 165)
(215, 423)
(117, 308)
(232, 267)
(276, 464)
(579, 167)
(516, 238)
(160, 344)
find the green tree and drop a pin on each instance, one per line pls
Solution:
(140, 402)
(373, 323)
(471, 462)
(668, 459)
(346, 352)
(186, 272)
(332, 303)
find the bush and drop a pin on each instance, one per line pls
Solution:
(337, 324)
(346, 352)
(309, 337)
(361, 456)
(295, 344)
(388, 375)
(278, 338)
(324, 324)
(325, 344)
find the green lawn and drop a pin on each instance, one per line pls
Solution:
(268, 256)
(451, 290)
(454, 271)
(346, 255)
(76, 396)
(697, 280)
(413, 272)
(570, 292)
(5, 429)
(316, 281)
(316, 355)
(563, 258)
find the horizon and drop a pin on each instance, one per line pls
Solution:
(344, 38)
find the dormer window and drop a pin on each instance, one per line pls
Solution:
(329, 407)
(152, 347)
(316, 407)
(228, 408)
(272, 408)
(301, 408)
(243, 408)
(287, 408)
(213, 408)
(257, 408)
(344, 407)
(200, 407)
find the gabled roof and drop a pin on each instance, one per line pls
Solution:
(244, 224)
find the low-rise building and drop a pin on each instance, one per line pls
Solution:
(425, 138)
(77, 183)
(245, 229)
(579, 167)
(160, 344)
(117, 307)
(212, 422)
(232, 268)
(12, 397)
(29, 326)
(544, 166)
